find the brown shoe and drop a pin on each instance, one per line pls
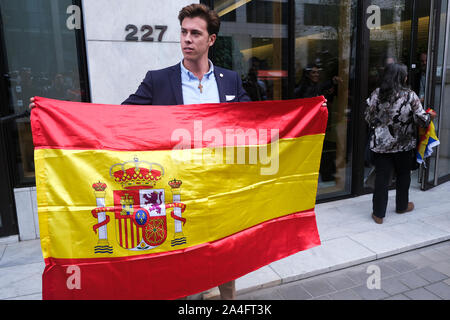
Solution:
(408, 209)
(377, 219)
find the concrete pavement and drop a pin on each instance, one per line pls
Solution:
(351, 242)
(420, 274)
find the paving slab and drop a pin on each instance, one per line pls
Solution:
(393, 286)
(331, 255)
(340, 282)
(443, 267)
(441, 289)
(21, 280)
(400, 237)
(317, 287)
(412, 280)
(431, 275)
(347, 294)
(441, 221)
(421, 294)
(294, 292)
(23, 252)
(370, 294)
(398, 297)
(381, 241)
(400, 265)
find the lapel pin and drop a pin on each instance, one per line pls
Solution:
(221, 75)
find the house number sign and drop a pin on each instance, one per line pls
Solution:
(146, 32)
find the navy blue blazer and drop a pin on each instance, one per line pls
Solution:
(163, 87)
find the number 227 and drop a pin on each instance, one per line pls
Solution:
(147, 35)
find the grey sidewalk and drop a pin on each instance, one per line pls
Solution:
(350, 239)
(420, 274)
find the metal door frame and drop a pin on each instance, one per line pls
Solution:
(433, 45)
(442, 93)
(7, 203)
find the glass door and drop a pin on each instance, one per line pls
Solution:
(402, 35)
(390, 26)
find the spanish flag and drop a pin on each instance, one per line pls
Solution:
(161, 202)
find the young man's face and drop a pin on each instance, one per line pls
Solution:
(195, 39)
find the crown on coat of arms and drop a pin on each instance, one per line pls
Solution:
(99, 186)
(136, 174)
(175, 184)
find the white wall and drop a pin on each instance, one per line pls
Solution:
(27, 213)
(117, 67)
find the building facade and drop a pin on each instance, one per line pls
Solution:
(100, 50)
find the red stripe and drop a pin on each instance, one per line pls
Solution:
(175, 274)
(74, 125)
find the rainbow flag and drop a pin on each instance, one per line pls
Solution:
(427, 141)
(161, 202)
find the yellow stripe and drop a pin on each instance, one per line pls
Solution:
(221, 199)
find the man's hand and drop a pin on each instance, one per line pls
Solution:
(31, 105)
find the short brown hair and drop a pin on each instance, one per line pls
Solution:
(202, 11)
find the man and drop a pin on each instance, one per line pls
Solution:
(195, 79)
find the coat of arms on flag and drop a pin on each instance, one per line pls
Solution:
(139, 208)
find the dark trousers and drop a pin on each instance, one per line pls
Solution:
(400, 162)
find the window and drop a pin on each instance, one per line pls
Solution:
(324, 47)
(44, 57)
(255, 45)
(274, 50)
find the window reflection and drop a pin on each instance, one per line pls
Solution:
(253, 42)
(391, 42)
(323, 51)
(42, 60)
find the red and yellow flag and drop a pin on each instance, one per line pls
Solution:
(161, 202)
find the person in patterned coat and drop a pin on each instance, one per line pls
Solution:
(393, 113)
